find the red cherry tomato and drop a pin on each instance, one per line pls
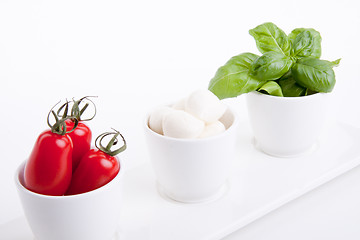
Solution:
(48, 169)
(81, 138)
(95, 169)
(81, 135)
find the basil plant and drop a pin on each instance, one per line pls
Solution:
(289, 66)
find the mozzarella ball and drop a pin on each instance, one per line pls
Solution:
(156, 118)
(179, 105)
(180, 124)
(205, 105)
(212, 129)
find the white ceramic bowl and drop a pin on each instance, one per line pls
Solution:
(92, 216)
(287, 126)
(193, 170)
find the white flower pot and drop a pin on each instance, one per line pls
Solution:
(287, 126)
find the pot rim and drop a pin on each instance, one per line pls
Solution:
(315, 95)
(230, 129)
(22, 188)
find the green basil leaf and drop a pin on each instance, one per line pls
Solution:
(309, 92)
(336, 62)
(271, 88)
(270, 66)
(315, 74)
(305, 43)
(290, 88)
(233, 78)
(294, 33)
(269, 37)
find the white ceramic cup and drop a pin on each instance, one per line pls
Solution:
(193, 170)
(92, 216)
(287, 126)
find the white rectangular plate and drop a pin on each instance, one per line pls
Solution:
(258, 185)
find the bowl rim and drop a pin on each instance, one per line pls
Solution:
(227, 131)
(21, 187)
(299, 98)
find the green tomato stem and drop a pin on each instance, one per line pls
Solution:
(75, 110)
(59, 127)
(113, 141)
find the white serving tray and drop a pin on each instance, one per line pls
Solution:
(258, 185)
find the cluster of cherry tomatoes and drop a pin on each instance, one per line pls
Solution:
(62, 161)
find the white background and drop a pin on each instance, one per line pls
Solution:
(137, 54)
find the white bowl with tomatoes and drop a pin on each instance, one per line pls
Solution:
(68, 189)
(92, 215)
